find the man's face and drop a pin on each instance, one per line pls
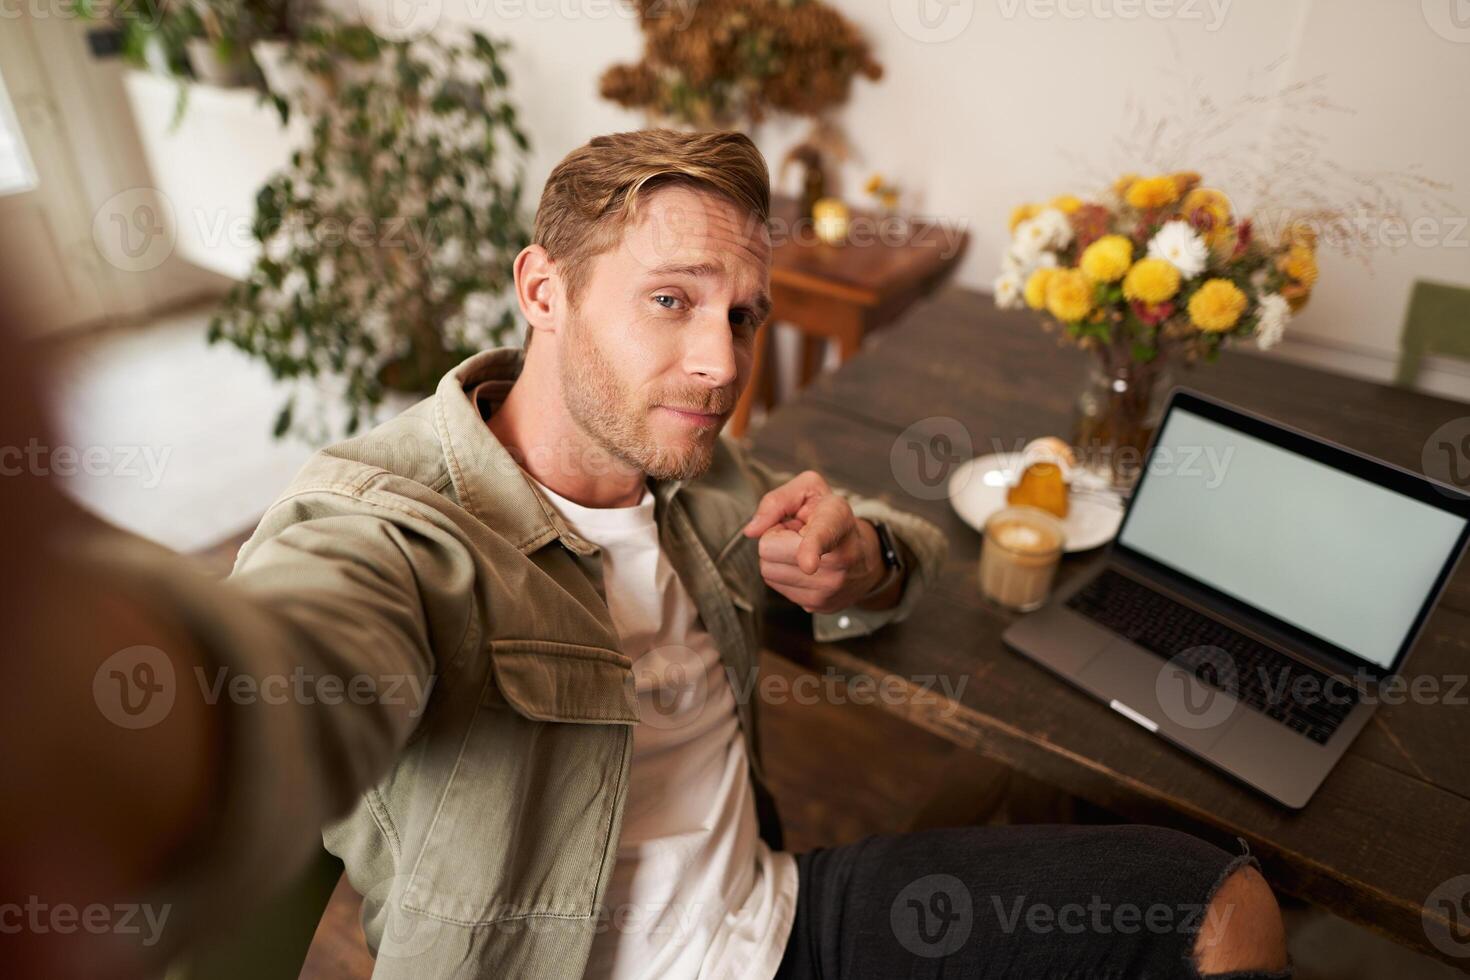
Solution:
(659, 346)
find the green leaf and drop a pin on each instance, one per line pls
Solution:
(283, 419)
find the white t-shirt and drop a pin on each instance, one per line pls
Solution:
(695, 891)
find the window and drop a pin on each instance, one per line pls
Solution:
(16, 173)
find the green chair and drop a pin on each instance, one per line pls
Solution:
(1438, 324)
(271, 943)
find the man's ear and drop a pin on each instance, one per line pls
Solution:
(538, 288)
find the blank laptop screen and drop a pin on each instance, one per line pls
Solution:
(1335, 555)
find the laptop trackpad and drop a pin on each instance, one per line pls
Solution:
(1153, 692)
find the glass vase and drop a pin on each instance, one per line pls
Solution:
(1117, 412)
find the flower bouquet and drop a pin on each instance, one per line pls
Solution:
(1159, 271)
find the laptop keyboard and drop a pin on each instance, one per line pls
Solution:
(1303, 699)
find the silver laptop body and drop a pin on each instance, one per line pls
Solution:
(1263, 586)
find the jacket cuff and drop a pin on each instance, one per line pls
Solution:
(926, 547)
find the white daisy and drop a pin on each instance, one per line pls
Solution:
(1179, 245)
(1275, 314)
(1007, 288)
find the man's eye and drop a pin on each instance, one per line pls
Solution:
(666, 301)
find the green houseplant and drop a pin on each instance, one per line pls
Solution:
(387, 243)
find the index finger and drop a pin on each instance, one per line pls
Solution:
(783, 502)
(830, 521)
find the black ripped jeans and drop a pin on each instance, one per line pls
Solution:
(1023, 903)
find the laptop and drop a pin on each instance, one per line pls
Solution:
(1263, 586)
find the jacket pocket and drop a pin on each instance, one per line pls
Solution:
(526, 825)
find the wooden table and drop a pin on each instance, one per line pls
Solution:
(842, 293)
(1390, 824)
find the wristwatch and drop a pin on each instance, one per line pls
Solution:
(892, 558)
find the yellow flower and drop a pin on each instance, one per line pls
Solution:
(1106, 259)
(1121, 185)
(1021, 213)
(1208, 210)
(1301, 233)
(1300, 264)
(1296, 295)
(1066, 203)
(874, 183)
(1217, 305)
(1185, 180)
(1152, 192)
(1151, 281)
(1035, 291)
(1068, 295)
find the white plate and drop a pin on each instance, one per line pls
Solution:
(977, 489)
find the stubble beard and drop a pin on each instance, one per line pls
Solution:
(618, 422)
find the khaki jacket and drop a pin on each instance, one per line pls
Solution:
(484, 702)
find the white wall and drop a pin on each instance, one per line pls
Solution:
(993, 102)
(987, 103)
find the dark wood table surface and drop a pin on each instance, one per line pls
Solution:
(1392, 822)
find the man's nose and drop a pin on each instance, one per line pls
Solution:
(711, 352)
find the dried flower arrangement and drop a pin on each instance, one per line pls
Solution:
(722, 63)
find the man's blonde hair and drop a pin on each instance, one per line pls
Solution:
(593, 193)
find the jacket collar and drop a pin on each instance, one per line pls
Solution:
(487, 478)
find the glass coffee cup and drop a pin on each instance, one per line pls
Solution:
(1019, 556)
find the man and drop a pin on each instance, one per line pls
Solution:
(538, 595)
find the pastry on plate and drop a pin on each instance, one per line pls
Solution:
(1043, 476)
